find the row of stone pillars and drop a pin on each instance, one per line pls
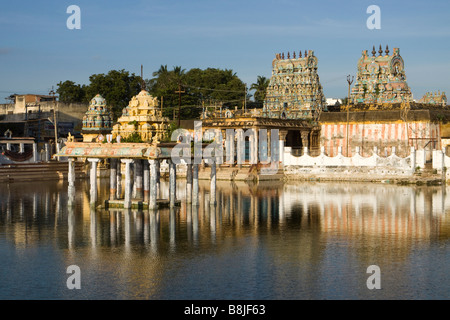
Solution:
(146, 181)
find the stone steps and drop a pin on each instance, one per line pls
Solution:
(52, 170)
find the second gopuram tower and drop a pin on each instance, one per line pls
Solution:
(294, 89)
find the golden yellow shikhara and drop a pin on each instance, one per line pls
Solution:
(144, 117)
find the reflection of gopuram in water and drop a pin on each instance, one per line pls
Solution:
(357, 213)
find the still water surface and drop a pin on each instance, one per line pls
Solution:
(278, 241)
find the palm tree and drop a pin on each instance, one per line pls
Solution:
(260, 88)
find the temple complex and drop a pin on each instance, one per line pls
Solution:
(143, 117)
(294, 90)
(381, 79)
(437, 98)
(97, 120)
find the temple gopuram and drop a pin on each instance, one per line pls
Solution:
(143, 117)
(294, 89)
(438, 98)
(381, 79)
(382, 115)
(293, 102)
(97, 120)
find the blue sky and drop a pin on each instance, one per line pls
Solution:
(37, 50)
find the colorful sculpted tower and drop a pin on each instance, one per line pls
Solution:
(381, 79)
(437, 98)
(97, 120)
(142, 116)
(294, 90)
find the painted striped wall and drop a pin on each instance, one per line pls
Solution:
(384, 136)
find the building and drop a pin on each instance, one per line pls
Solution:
(143, 117)
(381, 79)
(97, 120)
(382, 115)
(294, 89)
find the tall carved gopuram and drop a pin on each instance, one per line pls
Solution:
(144, 117)
(381, 79)
(97, 120)
(294, 90)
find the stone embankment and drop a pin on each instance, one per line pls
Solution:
(52, 170)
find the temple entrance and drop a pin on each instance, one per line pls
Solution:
(294, 140)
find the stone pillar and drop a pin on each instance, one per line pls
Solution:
(254, 147)
(128, 188)
(35, 153)
(305, 138)
(240, 150)
(172, 183)
(413, 159)
(229, 147)
(212, 193)
(195, 185)
(153, 177)
(158, 179)
(146, 173)
(113, 179)
(48, 151)
(71, 172)
(138, 181)
(21, 148)
(93, 179)
(189, 183)
(119, 180)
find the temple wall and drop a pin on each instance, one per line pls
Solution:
(383, 136)
(356, 167)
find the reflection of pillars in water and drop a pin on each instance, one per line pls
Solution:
(47, 204)
(93, 227)
(138, 222)
(127, 216)
(195, 224)
(71, 196)
(113, 227)
(172, 183)
(252, 215)
(113, 179)
(212, 222)
(35, 205)
(93, 180)
(70, 227)
(146, 227)
(146, 178)
(189, 223)
(127, 200)
(189, 183)
(212, 192)
(172, 227)
(154, 228)
(153, 183)
(269, 211)
(22, 209)
(195, 188)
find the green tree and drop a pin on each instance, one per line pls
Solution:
(260, 88)
(117, 87)
(69, 92)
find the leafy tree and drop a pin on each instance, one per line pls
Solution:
(117, 87)
(260, 88)
(69, 92)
